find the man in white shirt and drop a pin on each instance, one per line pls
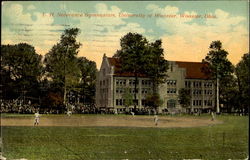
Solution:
(212, 114)
(37, 116)
(156, 120)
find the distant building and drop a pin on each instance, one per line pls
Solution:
(112, 83)
(187, 75)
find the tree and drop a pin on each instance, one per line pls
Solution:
(153, 101)
(184, 97)
(157, 66)
(219, 67)
(142, 58)
(21, 68)
(132, 56)
(61, 62)
(128, 98)
(88, 79)
(243, 79)
(229, 93)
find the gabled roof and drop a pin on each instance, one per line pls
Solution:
(194, 70)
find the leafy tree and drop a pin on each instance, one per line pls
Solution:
(184, 97)
(242, 73)
(61, 62)
(153, 101)
(219, 67)
(21, 68)
(229, 93)
(88, 79)
(157, 66)
(132, 56)
(140, 57)
(128, 98)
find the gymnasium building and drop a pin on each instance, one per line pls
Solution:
(112, 83)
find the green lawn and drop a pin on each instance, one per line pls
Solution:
(223, 141)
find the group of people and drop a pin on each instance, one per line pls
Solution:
(37, 118)
(13, 106)
(156, 119)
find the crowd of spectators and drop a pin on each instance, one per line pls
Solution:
(18, 106)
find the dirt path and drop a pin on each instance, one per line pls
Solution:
(122, 121)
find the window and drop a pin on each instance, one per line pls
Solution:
(211, 84)
(171, 90)
(121, 90)
(171, 103)
(135, 101)
(144, 90)
(119, 102)
(171, 82)
(209, 102)
(143, 102)
(149, 83)
(130, 82)
(199, 102)
(205, 102)
(187, 84)
(142, 82)
(208, 84)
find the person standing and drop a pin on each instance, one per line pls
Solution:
(156, 120)
(37, 116)
(212, 114)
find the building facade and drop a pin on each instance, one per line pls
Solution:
(112, 86)
(187, 75)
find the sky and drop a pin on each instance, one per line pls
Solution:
(186, 28)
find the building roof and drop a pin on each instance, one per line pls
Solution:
(194, 70)
(117, 68)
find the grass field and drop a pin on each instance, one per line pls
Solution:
(228, 140)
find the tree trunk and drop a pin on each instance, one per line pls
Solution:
(154, 87)
(217, 96)
(64, 95)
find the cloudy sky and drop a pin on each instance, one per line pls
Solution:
(184, 28)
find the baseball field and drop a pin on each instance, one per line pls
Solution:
(123, 137)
